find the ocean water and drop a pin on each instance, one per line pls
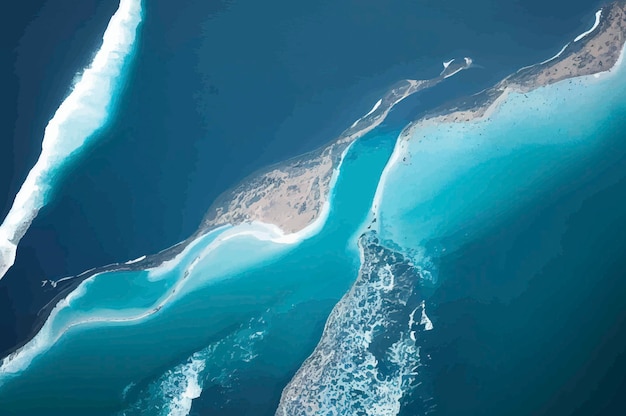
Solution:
(529, 316)
(191, 151)
(513, 222)
(175, 132)
(540, 184)
(232, 311)
(46, 45)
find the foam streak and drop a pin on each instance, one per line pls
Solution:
(78, 117)
(595, 25)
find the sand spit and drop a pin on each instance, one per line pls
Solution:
(291, 195)
(597, 51)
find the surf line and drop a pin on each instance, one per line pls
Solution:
(85, 110)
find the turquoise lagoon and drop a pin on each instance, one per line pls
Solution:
(449, 183)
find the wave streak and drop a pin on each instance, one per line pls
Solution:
(79, 116)
(172, 394)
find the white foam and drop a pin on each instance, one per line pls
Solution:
(401, 148)
(553, 58)
(425, 320)
(398, 151)
(174, 391)
(595, 25)
(167, 266)
(343, 362)
(189, 388)
(137, 260)
(447, 64)
(387, 278)
(78, 117)
(453, 73)
(48, 336)
(378, 103)
(468, 63)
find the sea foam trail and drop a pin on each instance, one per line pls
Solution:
(173, 393)
(595, 25)
(79, 116)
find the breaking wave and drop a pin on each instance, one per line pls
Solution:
(79, 116)
(172, 394)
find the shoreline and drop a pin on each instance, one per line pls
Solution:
(303, 391)
(596, 51)
(43, 339)
(158, 264)
(290, 194)
(610, 22)
(62, 136)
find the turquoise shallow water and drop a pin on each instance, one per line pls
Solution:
(529, 315)
(518, 220)
(453, 182)
(245, 292)
(502, 281)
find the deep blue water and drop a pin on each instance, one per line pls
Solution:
(46, 44)
(218, 90)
